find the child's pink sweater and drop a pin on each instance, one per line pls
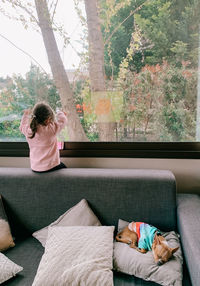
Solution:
(44, 153)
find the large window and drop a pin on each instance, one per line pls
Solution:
(123, 71)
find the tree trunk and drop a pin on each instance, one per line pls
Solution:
(103, 106)
(75, 129)
(198, 99)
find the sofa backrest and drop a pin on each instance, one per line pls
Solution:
(33, 200)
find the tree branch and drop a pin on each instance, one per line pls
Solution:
(27, 11)
(115, 30)
(23, 52)
(54, 10)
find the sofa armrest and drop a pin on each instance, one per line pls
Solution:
(188, 222)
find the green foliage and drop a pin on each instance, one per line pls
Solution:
(158, 70)
(164, 30)
(172, 28)
(18, 93)
(112, 15)
(160, 102)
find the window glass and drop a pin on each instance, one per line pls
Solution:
(123, 71)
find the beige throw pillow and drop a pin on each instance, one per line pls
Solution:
(6, 239)
(79, 215)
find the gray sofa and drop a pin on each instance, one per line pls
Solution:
(33, 201)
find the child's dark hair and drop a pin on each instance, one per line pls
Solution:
(41, 112)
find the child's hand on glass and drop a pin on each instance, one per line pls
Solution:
(59, 110)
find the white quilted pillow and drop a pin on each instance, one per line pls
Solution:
(77, 256)
(8, 269)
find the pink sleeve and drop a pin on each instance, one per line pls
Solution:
(24, 125)
(61, 121)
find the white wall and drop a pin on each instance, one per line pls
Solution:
(187, 172)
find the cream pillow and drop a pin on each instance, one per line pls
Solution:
(8, 269)
(77, 256)
(80, 214)
(6, 239)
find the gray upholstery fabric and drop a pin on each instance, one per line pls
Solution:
(188, 212)
(130, 194)
(33, 201)
(29, 252)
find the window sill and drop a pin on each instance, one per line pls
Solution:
(168, 150)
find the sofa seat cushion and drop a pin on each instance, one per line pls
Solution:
(26, 253)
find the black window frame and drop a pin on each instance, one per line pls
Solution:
(160, 150)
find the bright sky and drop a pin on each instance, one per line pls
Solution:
(14, 61)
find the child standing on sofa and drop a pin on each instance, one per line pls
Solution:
(40, 132)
